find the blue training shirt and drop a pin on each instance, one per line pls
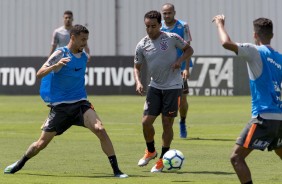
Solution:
(181, 28)
(67, 84)
(265, 74)
(266, 89)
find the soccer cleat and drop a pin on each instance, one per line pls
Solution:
(11, 169)
(147, 157)
(120, 174)
(183, 130)
(158, 167)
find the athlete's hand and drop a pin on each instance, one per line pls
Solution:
(62, 62)
(176, 65)
(219, 19)
(140, 89)
(185, 74)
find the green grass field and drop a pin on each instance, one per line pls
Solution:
(76, 157)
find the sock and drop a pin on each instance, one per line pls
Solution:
(182, 120)
(249, 182)
(20, 164)
(164, 150)
(114, 164)
(151, 146)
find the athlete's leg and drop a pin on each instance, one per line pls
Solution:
(239, 164)
(148, 133)
(40, 144)
(183, 108)
(33, 150)
(167, 136)
(93, 122)
(148, 128)
(279, 152)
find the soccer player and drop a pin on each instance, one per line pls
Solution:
(173, 25)
(61, 35)
(265, 74)
(158, 50)
(65, 70)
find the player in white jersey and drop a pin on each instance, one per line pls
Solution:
(61, 35)
(173, 25)
(265, 74)
(159, 50)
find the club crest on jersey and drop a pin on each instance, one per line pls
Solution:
(163, 45)
(179, 26)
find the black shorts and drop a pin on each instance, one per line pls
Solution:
(185, 87)
(63, 116)
(260, 134)
(162, 101)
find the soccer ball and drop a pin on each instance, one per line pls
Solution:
(173, 159)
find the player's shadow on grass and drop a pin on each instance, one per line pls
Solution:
(95, 175)
(207, 139)
(200, 172)
(212, 172)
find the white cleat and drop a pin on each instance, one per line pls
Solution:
(121, 175)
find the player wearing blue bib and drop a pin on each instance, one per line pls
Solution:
(63, 87)
(170, 24)
(265, 74)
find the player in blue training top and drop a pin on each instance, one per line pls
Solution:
(265, 73)
(65, 71)
(170, 24)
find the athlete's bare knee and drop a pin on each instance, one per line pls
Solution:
(235, 159)
(146, 124)
(279, 153)
(100, 131)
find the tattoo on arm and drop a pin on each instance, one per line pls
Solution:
(54, 59)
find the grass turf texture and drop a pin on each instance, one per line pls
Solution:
(76, 157)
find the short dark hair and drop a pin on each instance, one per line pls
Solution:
(77, 29)
(154, 15)
(68, 12)
(263, 27)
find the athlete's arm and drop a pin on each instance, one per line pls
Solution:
(186, 72)
(138, 60)
(187, 53)
(53, 47)
(137, 72)
(54, 43)
(55, 62)
(87, 50)
(226, 42)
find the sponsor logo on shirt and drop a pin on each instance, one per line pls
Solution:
(272, 61)
(77, 69)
